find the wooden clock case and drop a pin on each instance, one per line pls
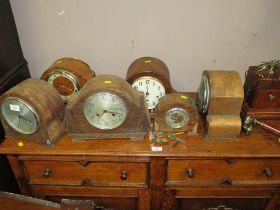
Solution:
(178, 100)
(136, 124)
(262, 96)
(149, 66)
(226, 97)
(76, 67)
(47, 103)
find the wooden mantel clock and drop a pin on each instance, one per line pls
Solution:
(68, 75)
(33, 110)
(107, 107)
(220, 98)
(176, 112)
(151, 76)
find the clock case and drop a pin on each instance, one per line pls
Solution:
(222, 120)
(176, 100)
(76, 67)
(136, 124)
(48, 105)
(152, 67)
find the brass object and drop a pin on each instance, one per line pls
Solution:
(123, 175)
(190, 172)
(47, 172)
(220, 207)
(268, 172)
(271, 97)
(249, 123)
(268, 69)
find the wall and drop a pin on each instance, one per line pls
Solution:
(188, 35)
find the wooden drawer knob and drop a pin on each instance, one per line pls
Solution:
(190, 172)
(267, 172)
(123, 175)
(47, 172)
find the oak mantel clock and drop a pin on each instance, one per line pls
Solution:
(220, 98)
(151, 76)
(176, 112)
(33, 110)
(107, 107)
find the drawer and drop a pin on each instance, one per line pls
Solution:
(266, 99)
(76, 173)
(223, 172)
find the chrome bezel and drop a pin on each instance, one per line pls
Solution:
(36, 116)
(203, 97)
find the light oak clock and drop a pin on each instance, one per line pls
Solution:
(107, 107)
(151, 76)
(33, 110)
(220, 97)
(68, 75)
(176, 112)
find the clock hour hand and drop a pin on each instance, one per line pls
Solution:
(147, 91)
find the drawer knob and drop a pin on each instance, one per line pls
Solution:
(190, 172)
(268, 172)
(47, 172)
(271, 97)
(123, 175)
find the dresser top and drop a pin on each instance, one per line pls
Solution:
(259, 144)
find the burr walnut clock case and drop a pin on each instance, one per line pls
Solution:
(33, 110)
(176, 112)
(107, 107)
(220, 98)
(151, 76)
(68, 75)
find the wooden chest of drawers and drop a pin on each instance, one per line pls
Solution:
(125, 175)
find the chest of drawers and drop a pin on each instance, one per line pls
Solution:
(123, 174)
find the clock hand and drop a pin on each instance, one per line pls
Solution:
(147, 91)
(24, 119)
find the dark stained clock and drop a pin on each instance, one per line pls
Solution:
(151, 76)
(68, 75)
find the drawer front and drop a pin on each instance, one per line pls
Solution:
(266, 99)
(222, 172)
(92, 174)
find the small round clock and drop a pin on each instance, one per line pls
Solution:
(151, 76)
(176, 112)
(20, 115)
(68, 75)
(107, 107)
(33, 110)
(105, 110)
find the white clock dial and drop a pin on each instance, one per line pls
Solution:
(105, 110)
(20, 115)
(65, 82)
(176, 117)
(152, 88)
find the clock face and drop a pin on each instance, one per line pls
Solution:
(20, 115)
(152, 88)
(65, 82)
(203, 94)
(176, 117)
(105, 110)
